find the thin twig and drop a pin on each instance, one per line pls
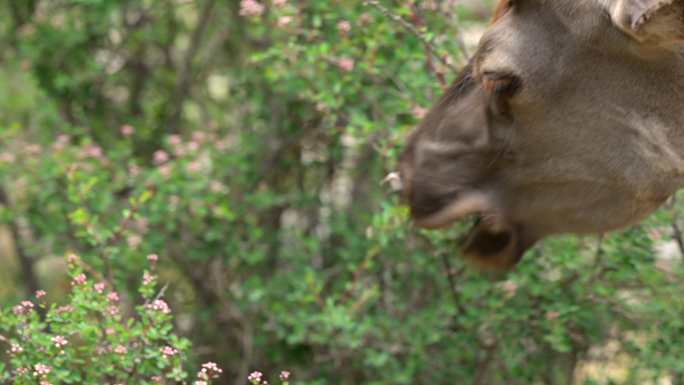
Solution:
(451, 277)
(417, 21)
(676, 229)
(161, 292)
(598, 269)
(411, 28)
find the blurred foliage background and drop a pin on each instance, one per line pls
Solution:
(245, 142)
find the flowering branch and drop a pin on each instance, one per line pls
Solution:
(412, 29)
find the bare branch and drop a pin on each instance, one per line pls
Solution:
(182, 87)
(451, 277)
(28, 272)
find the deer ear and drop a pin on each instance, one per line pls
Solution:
(657, 22)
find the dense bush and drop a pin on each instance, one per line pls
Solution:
(89, 341)
(245, 144)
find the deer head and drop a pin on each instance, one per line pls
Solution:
(568, 119)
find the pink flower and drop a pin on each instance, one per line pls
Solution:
(126, 130)
(112, 310)
(175, 140)
(193, 146)
(133, 240)
(255, 377)
(120, 349)
(148, 278)
(201, 382)
(509, 287)
(165, 170)
(43, 382)
(79, 280)
(284, 20)
(113, 297)
(159, 305)
(216, 186)
(279, 3)
(134, 170)
(655, 234)
(174, 201)
(33, 149)
(251, 8)
(194, 167)
(24, 307)
(179, 151)
(6, 157)
(99, 287)
(346, 64)
(40, 294)
(156, 379)
(160, 157)
(141, 224)
(419, 112)
(41, 369)
(72, 258)
(59, 341)
(284, 375)
(65, 309)
(199, 136)
(16, 349)
(61, 142)
(168, 351)
(210, 370)
(109, 331)
(343, 27)
(223, 144)
(93, 151)
(552, 315)
(152, 258)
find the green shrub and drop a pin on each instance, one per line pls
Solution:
(93, 339)
(245, 144)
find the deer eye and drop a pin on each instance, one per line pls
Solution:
(499, 82)
(500, 87)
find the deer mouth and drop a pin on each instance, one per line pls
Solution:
(491, 243)
(491, 247)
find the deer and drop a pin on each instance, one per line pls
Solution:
(567, 119)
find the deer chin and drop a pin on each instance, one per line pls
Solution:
(492, 243)
(496, 248)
